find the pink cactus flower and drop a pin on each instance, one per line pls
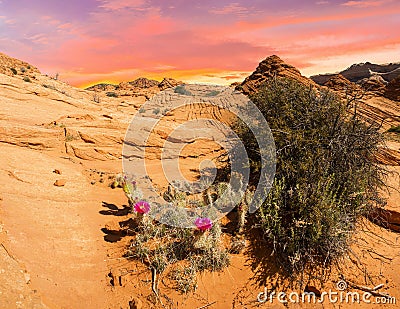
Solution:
(203, 224)
(142, 207)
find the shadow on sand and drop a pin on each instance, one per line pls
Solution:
(123, 228)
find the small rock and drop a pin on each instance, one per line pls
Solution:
(136, 303)
(60, 183)
(27, 278)
(312, 289)
(56, 171)
(101, 180)
(93, 182)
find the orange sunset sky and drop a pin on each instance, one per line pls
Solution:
(91, 41)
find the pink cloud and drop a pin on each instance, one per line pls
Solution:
(365, 3)
(124, 38)
(233, 8)
(115, 5)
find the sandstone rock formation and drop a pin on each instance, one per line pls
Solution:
(272, 66)
(58, 233)
(393, 89)
(168, 83)
(375, 84)
(339, 83)
(138, 87)
(359, 71)
(14, 67)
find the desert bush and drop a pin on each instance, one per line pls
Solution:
(395, 129)
(27, 79)
(166, 248)
(14, 71)
(23, 69)
(49, 87)
(96, 98)
(213, 93)
(112, 94)
(182, 90)
(326, 178)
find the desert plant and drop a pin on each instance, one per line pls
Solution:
(166, 248)
(395, 129)
(156, 111)
(112, 94)
(69, 137)
(27, 79)
(23, 70)
(326, 177)
(185, 278)
(96, 98)
(49, 86)
(182, 90)
(14, 71)
(213, 93)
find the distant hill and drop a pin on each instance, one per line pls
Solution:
(357, 72)
(141, 86)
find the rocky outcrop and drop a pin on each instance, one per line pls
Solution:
(102, 87)
(339, 83)
(14, 67)
(359, 71)
(393, 90)
(168, 83)
(271, 67)
(375, 83)
(386, 218)
(139, 87)
(143, 83)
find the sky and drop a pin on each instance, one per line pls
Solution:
(91, 41)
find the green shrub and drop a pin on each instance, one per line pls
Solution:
(112, 95)
(213, 93)
(49, 87)
(326, 178)
(27, 79)
(182, 90)
(394, 129)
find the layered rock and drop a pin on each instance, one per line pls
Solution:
(17, 68)
(168, 83)
(143, 82)
(357, 72)
(375, 83)
(339, 83)
(393, 90)
(271, 67)
(139, 87)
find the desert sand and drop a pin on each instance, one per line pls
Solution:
(63, 228)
